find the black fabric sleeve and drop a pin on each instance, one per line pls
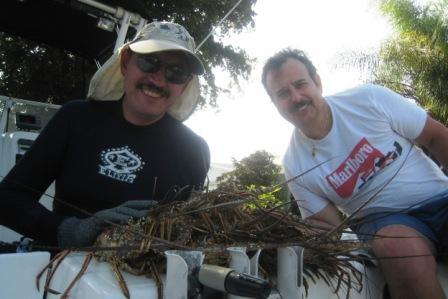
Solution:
(205, 155)
(198, 162)
(23, 186)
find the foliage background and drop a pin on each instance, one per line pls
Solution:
(35, 71)
(414, 61)
(256, 173)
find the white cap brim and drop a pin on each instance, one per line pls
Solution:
(153, 46)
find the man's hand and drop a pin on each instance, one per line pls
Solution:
(326, 219)
(76, 232)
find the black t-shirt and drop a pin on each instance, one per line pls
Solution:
(99, 160)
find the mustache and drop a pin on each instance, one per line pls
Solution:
(297, 106)
(150, 85)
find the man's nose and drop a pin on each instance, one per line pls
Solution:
(159, 76)
(296, 96)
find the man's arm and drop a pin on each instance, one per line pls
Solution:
(327, 219)
(22, 187)
(435, 138)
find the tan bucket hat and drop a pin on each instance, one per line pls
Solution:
(107, 83)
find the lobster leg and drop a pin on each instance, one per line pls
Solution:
(83, 269)
(57, 259)
(120, 278)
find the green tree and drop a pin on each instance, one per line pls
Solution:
(40, 72)
(414, 61)
(255, 172)
(37, 71)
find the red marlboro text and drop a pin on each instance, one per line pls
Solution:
(355, 170)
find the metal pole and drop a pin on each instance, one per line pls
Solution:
(99, 5)
(123, 30)
(217, 25)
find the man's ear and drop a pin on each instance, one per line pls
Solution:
(125, 57)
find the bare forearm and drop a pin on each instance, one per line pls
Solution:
(439, 150)
(325, 220)
(435, 138)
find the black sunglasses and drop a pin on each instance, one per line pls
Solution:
(174, 73)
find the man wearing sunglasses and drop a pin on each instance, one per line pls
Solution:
(118, 153)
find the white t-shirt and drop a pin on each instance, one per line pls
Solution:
(369, 147)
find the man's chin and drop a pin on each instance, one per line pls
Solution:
(149, 117)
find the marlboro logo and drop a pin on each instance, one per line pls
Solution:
(360, 166)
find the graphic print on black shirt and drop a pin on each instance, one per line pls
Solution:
(363, 163)
(120, 164)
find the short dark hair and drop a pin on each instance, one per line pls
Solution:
(278, 59)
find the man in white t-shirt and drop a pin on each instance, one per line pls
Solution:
(371, 169)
